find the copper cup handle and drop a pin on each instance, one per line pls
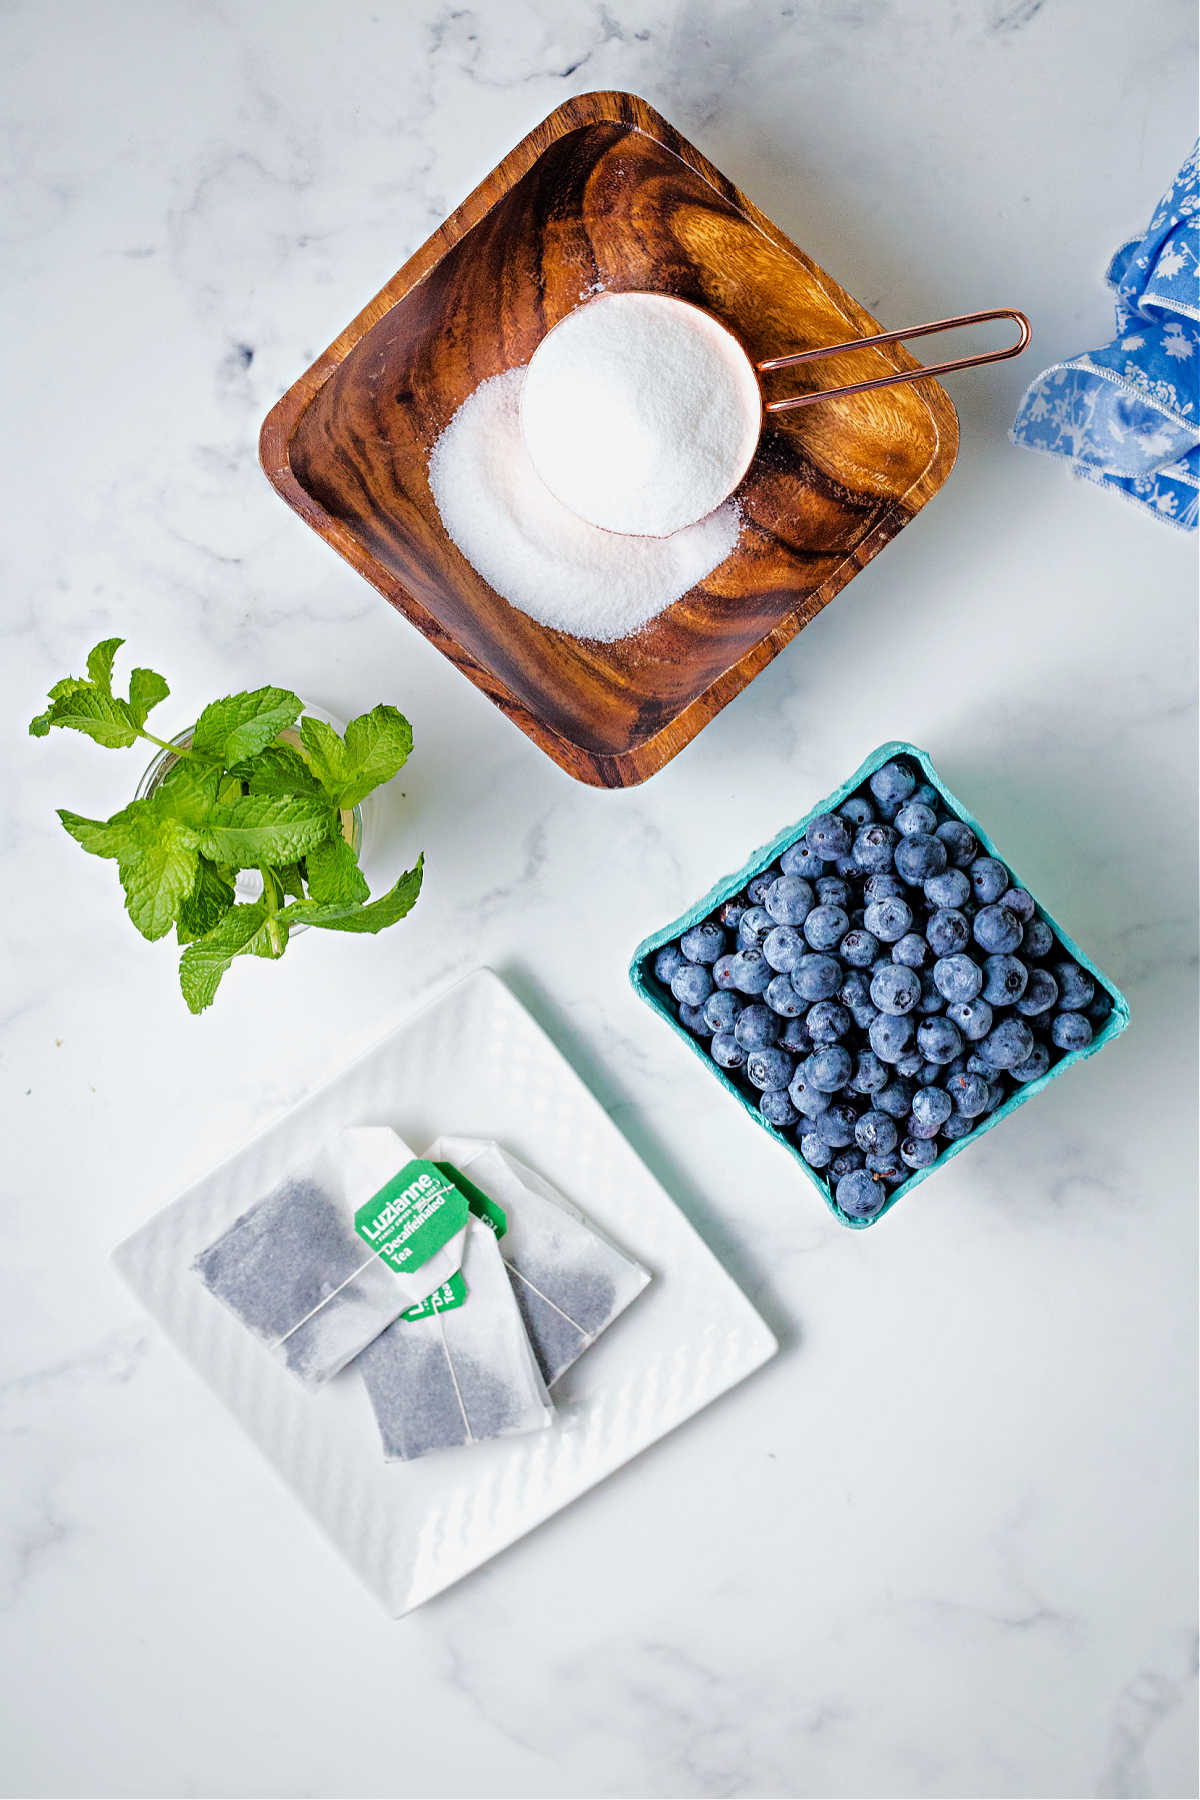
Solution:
(900, 375)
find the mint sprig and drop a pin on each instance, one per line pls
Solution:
(258, 785)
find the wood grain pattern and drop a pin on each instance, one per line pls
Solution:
(606, 192)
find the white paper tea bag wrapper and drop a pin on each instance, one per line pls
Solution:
(296, 1272)
(459, 1375)
(570, 1282)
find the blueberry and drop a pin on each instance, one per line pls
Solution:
(827, 1022)
(725, 970)
(857, 810)
(692, 983)
(730, 911)
(753, 927)
(892, 784)
(888, 920)
(989, 879)
(962, 846)
(1034, 1067)
(997, 930)
(885, 1166)
(950, 888)
(795, 1037)
(815, 1151)
(807, 1100)
(1076, 989)
(844, 1161)
(973, 1018)
(925, 794)
(828, 1068)
(751, 972)
(883, 886)
(911, 950)
(1099, 1010)
(1020, 901)
(833, 891)
(783, 999)
(1071, 1031)
(996, 1096)
(939, 1040)
(914, 816)
(703, 943)
(789, 899)
(873, 847)
(895, 989)
(859, 948)
(816, 977)
(976, 1065)
(836, 1125)
(770, 1068)
(829, 835)
(870, 1075)
(855, 996)
(890, 1036)
(911, 1063)
(777, 1109)
(895, 1099)
(694, 1019)
(667, 961)
(958, 978)
(947, 931)
(1041, 992)
(919, 858)
(932, 999)
(859, 1195)
(931, 1107)
(1007, 1044)
(930, 1073)
(1038, 940)
(918, 1153)
(783, 948)
(757, 887)
(1004, 980)
(799, 859)
(876, 1133)
(726, 1052)
(958, 1125)
(756, 1027)
(721, 1009)
(826, 926)
(969, 1093)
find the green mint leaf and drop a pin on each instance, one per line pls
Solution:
(204, 962)
(377, 745)
(188, 792)
(124, 836)
(159, 878)
(260, 828)
(279, 769)
(146, 689)
(290, 878)
(85, 708)
(206, 905)
(326, 753)
(242, 724)
(334, 875)
(387, 910)
(100, 664)
(70, 684)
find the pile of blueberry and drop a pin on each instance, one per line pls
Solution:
(881, 989)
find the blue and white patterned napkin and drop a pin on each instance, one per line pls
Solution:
(1128, 416)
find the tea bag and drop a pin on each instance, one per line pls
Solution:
(460, 1373)
(570, 1281)
(296, 1272)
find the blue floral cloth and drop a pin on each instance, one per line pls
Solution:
(1128, 416)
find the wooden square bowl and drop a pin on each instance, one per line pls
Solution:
(605, 195)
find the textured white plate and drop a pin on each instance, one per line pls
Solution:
(411, 1529)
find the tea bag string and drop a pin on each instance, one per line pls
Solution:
(554, 1307)
(332, 1295)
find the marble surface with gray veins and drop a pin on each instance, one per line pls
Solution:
(943, 1545)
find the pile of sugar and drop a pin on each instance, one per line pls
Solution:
(641, 413)
(539, 555)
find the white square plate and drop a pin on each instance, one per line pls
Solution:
(410, 1529)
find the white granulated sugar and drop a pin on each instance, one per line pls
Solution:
(641, 412)
(537, 554)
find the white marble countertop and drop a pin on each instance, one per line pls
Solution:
(943, 1545)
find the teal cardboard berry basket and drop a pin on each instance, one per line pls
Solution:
(652, 991)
